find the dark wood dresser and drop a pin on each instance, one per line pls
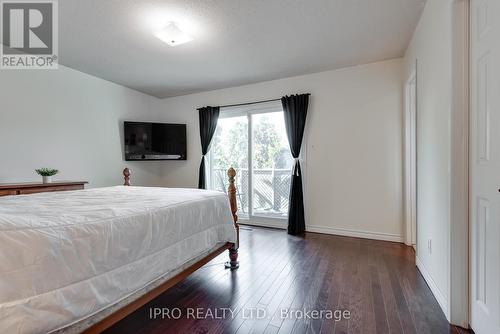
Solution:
(33, 188)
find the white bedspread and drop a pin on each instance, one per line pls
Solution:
(67, 255)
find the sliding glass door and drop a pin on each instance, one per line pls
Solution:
(253, 140)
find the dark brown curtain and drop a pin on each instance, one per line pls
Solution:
(208, 123)
(295, 111)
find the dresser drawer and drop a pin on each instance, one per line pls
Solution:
(9, 192)
(34, 188)
(26, 191)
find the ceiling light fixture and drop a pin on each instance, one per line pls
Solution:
(173, 35)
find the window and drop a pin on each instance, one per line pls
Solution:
(253, 140)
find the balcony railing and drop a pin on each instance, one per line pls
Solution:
(271, 188)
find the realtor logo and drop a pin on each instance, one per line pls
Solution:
(29, 34)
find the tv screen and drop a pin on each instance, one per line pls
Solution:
(154, 141)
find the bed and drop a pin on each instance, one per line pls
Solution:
(79, 261)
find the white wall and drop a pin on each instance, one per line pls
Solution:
(70, 121)
(353, 140)
(431, 48)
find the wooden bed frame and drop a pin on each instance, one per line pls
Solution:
(144, 299)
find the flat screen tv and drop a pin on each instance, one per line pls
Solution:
(154, 141)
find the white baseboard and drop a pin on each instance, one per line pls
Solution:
(355, 233)
(441, 299)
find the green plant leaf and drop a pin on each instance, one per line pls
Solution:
(46, 171)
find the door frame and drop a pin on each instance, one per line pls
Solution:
(410, 163)
(460, 220)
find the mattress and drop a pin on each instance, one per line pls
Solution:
(66, 256)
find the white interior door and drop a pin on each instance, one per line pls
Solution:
(485, 166)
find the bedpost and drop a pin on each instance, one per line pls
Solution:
(126, 176)
(233, 251)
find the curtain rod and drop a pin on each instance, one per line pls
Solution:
(249, 103)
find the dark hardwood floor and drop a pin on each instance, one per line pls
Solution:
(376, 281)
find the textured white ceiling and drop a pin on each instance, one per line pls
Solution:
(236, 41)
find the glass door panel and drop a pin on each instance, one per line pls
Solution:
(230, 149)
(254, 141)
(271, 165)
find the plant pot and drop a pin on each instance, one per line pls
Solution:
(47, 179)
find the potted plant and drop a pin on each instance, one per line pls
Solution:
(46, 174)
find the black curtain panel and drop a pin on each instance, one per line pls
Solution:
(295, 111)
(208, 124)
